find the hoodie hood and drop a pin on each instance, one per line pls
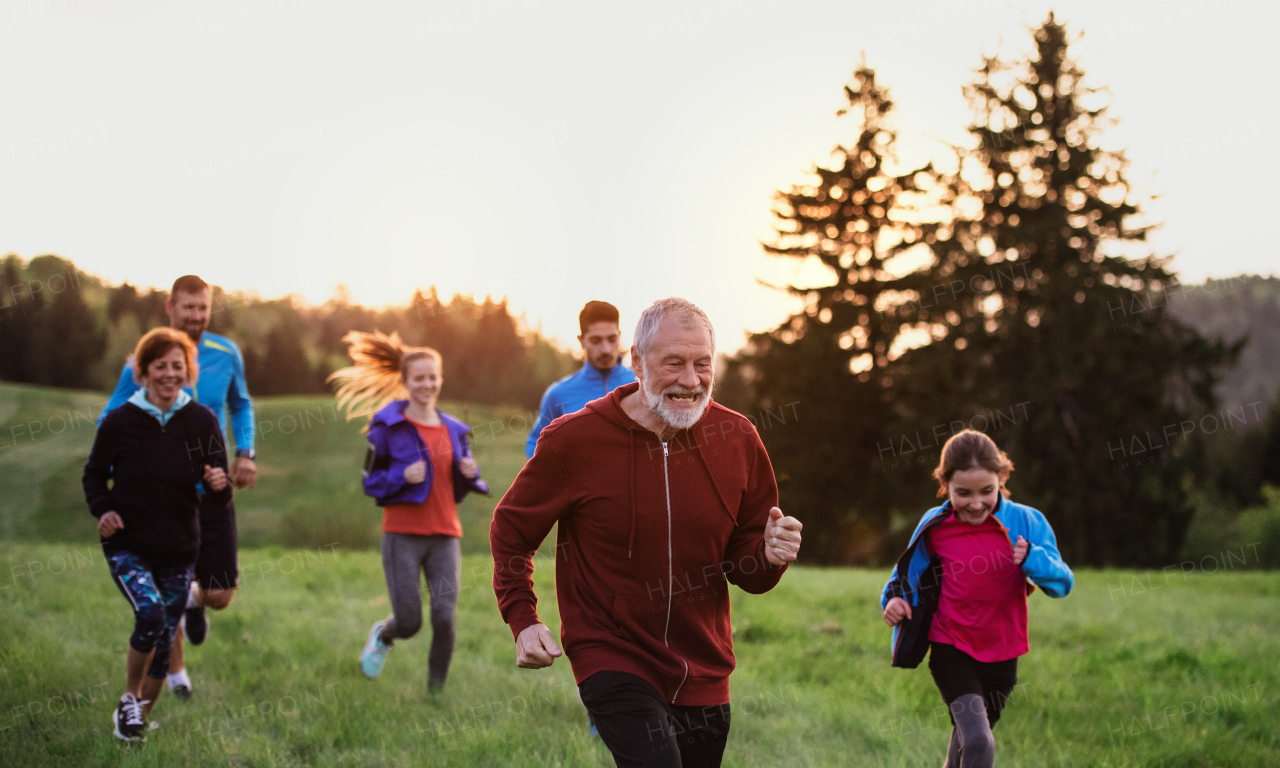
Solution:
(610, 407)
(140, 399)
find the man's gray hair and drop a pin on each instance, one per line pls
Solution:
(683, 311)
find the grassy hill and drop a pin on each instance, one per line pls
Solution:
(1161, 668)
(1130, 670)
(308, 493)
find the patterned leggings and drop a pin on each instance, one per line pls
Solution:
(158, 597)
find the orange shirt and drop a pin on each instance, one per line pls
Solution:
(438, 515)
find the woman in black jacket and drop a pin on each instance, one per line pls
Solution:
(159, 451)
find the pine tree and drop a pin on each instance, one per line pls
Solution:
(69, 343)
(822, 383)
(280, 366)
(1046, 311)
(16, 323)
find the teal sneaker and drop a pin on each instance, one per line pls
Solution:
(375, 652)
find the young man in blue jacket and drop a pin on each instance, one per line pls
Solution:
(221, 387)
(602, 369)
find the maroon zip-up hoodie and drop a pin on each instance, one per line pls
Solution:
(650, 537)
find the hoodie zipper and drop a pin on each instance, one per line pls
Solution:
(666, 481)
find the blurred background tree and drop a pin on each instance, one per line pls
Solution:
(1071, 333)
(1018, 310)
(832, 364)
(61, 327)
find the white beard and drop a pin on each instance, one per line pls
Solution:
(676, 419)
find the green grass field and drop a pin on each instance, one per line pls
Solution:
(1133, 669)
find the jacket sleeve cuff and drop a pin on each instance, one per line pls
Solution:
(100, 508)
(521, 616)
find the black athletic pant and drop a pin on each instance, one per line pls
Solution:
(644, 731)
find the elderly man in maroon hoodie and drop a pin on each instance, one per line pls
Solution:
(664, 498)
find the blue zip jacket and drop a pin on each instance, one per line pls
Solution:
(395, 443)
(221, 386)
(917, 578)
(572, 393)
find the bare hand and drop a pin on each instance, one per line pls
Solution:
(1020, 550)
(108, 524)
(415, 472)
(536, 648)
(896, 610)
(244, 473)
(215, 477)
(781, 538)
(469, 468)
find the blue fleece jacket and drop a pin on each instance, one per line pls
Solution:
(1043, 567)
(572, 393)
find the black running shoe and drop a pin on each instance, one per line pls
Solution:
(130, 725)
(196, 625)
(182, 692)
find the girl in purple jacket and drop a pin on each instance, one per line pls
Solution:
(418, 467)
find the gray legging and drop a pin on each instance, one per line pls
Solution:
(440, 558)
(972, 745)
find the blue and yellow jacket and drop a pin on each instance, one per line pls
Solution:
(221, 387)
(572, 393)
(917, 578)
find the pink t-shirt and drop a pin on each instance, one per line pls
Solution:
(983, 606)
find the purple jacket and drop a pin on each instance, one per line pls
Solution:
(394, 443)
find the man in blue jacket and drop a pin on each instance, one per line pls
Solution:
(602, 370)
(221, 387)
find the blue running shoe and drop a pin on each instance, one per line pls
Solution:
(375, 652)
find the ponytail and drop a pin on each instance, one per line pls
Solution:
(377, 377)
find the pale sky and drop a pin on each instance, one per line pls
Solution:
(555, 152)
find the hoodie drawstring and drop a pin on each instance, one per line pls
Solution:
(631, 460)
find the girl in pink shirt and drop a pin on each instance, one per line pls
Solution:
(960, 590)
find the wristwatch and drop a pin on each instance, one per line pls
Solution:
(246, 453)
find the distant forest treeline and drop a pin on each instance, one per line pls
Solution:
(62, 327)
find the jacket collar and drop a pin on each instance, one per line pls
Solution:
(393, 413)
(139, 399)
(941, 513)
(593, 373)
(610, 407)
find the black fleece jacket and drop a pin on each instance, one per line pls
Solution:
(154, 472)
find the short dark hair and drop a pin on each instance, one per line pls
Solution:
(597, 312)
(189, 284)
(156, 344)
